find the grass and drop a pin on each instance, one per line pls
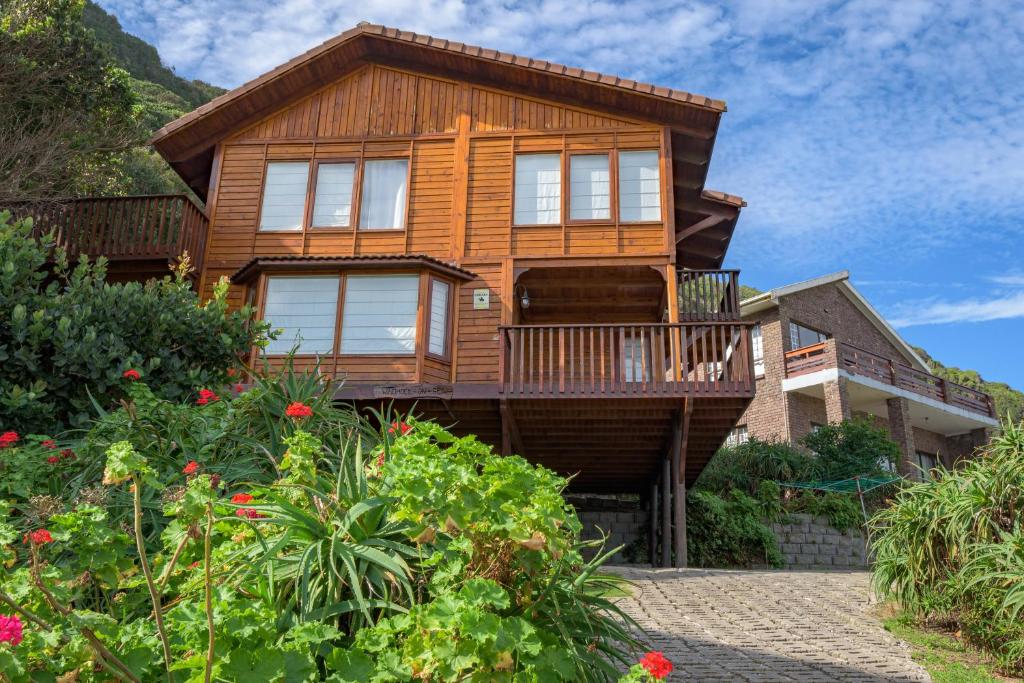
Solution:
(945, 657)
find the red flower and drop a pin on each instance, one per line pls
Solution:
(191, 467)
(656, 664)
(40, 536)
(10, 629)
(250, 513)
(67, 453)
(232, 372)
(49, 443)
(131, 374)
(239, 388)
(202, 401)
(399, 428)
(194, 565)
(241, 498)
(8, 439)
(53, 460)
(380, 459)
(297, 410)
(206, 396)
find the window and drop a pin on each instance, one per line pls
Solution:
(379, 316)
(757, 346)
(438, 341)
(306, 308)
(383, 198)
(332, 201)
(639, 187)
(636, 359)
(737, 436)
(538, 189)
(800, 336)
(927, 462)
(589, 187)
(284, 195)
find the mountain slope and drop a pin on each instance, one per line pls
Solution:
(1009, 401)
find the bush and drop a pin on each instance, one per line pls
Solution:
(67, 337)
(276, 537)
(953, 549)
(729, 531)
(850, 448)
(746, 465)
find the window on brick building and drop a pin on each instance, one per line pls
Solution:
(927, 463)
(757, 345)
(737, 435)
(800, 336)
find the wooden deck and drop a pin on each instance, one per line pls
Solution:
(857, 361)
(655, 360)
(154, 228)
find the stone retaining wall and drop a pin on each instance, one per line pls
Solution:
(808, 542)
(625, 522)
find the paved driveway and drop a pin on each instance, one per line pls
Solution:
(718, 625)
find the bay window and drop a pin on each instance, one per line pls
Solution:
(305, 310)
(284, 195)
(437, 344)
(538, 189)
(383, 194)
(379, 314)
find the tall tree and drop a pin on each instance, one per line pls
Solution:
(67, 114)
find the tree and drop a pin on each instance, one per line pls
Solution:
(66, 113)
(67, 337)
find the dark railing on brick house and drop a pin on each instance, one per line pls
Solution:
(857, 361)
(140, 228)
(705, 295)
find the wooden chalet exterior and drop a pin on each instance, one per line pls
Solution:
(520, 249)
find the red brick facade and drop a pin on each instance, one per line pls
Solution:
(788, 416)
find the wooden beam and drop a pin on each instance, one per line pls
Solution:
(652, 532)
(679, 490)
(666, 514)
(510, 429)
(709, 222)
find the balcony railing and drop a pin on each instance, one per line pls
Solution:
(639, 360)
(126, 228)
(705, 295)
(857, 361)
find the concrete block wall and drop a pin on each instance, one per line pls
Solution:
(809, 542)
(625, 521)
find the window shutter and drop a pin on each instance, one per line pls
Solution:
(284, 195)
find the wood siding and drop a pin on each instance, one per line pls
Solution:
(461, 140)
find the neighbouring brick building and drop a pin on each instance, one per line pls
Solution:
(823, 354)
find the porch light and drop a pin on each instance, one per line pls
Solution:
(524, 298)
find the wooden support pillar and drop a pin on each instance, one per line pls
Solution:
(678, 509)
(666, 514)
(652, 532)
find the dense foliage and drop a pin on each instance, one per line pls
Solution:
(952, 550)
(1009, 401)
(738, 494)
(67, 336)
(271, 535)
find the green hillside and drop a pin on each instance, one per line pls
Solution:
(1009, 401)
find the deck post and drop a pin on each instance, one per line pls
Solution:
(652, 532)
(666, 514)
(678, 495)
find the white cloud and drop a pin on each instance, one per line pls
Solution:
(966, 311)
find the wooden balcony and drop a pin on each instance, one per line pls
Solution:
(652, 360)
(155, 229)
(857, 361)
(706, 295)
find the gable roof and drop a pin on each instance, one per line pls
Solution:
(841, 279)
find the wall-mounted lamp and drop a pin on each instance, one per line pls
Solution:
(524, 297)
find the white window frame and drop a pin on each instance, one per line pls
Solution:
(519, 207)
(737, 435)
(794, 336)
(317, 195)
(623, 179)
(757, 349)
(438, 318)
(378, 307)
(577, 183)
(364, 195)
(294, 308)
(268, 191)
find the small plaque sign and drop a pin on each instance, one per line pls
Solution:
(441, 391)
(481, 299)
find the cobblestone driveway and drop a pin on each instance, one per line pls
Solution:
(718, 625)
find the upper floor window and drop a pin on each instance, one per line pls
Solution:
(757, 346)
(383, 196)
(538, 189)
(379, 314)
(800, 336)
(305, 309)
(589, 187)
(332, 200)
(639, 187)
(284, 195)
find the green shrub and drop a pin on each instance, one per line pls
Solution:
(728, 531)
(850, 448)
(953, 549)
(67, 337)
(842, 509)
(746, 465)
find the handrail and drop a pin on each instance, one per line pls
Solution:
(869, 364)
(708, 294)
(620, 360)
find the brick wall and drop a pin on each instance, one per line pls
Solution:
(765, 416)
(808, 542)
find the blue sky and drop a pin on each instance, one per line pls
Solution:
(885, 137)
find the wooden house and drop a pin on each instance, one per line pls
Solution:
(520, 249)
